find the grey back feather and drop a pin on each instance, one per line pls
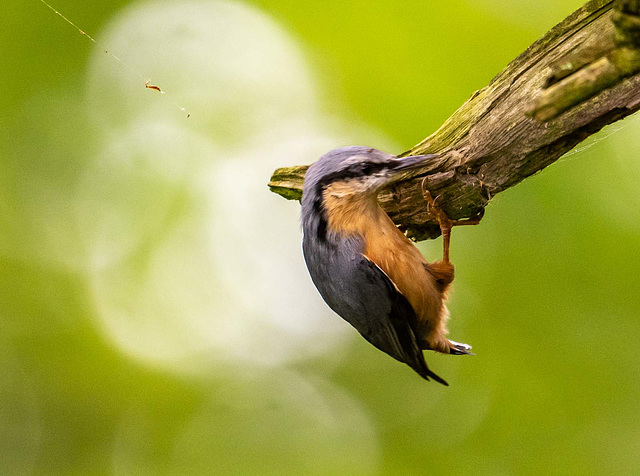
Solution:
(353, 286)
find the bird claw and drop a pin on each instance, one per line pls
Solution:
(440, 216)
(432, 203)
(458, 348)
(434, 210)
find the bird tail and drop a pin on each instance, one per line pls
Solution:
(414, 358)
(429, 373)
(418, 364)
(405, 348)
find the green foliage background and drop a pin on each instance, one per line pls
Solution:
(546, 288)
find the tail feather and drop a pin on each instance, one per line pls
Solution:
(420, 366)
(414, 357)
(436, 378)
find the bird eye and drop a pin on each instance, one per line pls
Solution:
(366, 169)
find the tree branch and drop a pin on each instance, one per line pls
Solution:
(581, 76)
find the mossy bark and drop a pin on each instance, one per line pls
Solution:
(581, 76)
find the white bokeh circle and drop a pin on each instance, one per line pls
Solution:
(232, 68)
(194, 265)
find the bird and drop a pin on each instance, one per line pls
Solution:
(365, 268)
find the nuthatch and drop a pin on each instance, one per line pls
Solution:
(365, 268)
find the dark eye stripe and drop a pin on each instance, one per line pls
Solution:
(353, 171)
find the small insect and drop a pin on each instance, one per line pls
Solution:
(106, 51)
(151, 86)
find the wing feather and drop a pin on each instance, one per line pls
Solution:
(393, 333)
(364, 296)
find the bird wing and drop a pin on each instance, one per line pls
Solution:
(389, 315)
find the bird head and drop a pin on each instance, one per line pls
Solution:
(362, 170)
(352, 175)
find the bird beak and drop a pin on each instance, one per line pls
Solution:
(403, 168)
(412, 162)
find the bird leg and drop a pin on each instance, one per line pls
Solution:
(445, 222)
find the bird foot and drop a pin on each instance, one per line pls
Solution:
(434, 210)
(444, 221)
(441, 217)
(458, 348)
